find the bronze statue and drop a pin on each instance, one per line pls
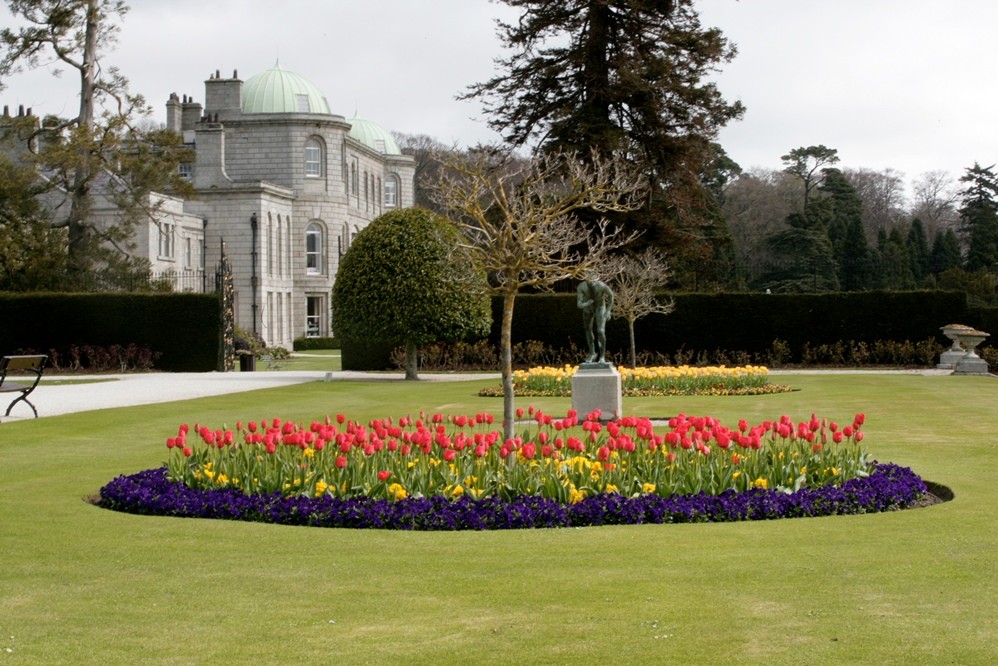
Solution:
(595, 299)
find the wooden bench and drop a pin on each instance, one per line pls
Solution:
(28, 365)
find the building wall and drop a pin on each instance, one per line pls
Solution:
(254, 164)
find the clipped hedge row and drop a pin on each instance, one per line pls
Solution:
(304, 344)
(742, 322)
(182, 328)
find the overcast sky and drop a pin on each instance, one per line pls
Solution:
(903, 84)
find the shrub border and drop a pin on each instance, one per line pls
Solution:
(889, 487)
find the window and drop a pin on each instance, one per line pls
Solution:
(313, 158)
(188, 253)
(313, 249)
(314, 315)
(379, 145)
(354, 177)
(166, 234)
(186, 170)
(302, 103)
(391, 192)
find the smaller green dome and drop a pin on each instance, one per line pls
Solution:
(373, 136)
(277, 90)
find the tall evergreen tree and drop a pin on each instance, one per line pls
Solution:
(810, 165)
(946, 253)
(895, 264)
(918, 250)
(622, 77)
(979, 217)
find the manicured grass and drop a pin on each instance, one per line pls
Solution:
(79, 584)
(313, 359)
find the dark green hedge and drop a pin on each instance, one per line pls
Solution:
(304, 344)
(748, 322)
(182, 328)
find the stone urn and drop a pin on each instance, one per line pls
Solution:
(948, 359)
(970, 363)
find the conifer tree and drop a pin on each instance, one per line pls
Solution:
(628, 78)
(979, 216)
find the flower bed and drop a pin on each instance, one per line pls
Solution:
(654, 381)
(459, 465)
(887, 488)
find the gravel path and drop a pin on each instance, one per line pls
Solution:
(126, 390)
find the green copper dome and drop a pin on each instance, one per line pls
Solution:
(373, 136)
(277, 90)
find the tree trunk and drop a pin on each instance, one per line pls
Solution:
(634, 348)
(506, 354)
(411, 361)
(80, 195)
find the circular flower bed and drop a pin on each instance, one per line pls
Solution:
(457, 472)
(889, 487)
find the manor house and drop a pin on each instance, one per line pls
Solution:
(284, 185)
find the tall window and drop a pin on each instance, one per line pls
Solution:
(166, 235)
(391, 192)
(313, 158)
(314, 315)
(313, 249)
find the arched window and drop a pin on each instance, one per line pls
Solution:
(313, 249)
(313, 158)
(391, 192)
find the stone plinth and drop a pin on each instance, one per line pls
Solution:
(597, 386)
(948, 359)
(971, 363)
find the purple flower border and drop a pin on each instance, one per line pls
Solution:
(888, 488)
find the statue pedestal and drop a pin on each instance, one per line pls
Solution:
(597, 386)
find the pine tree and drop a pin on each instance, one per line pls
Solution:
(918, 250)
(979, 217)
(628, 78)
(946, 253)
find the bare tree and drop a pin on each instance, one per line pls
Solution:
(519, 224)
(883, 198)
(935, 201)
(634, 280)
(102, 146)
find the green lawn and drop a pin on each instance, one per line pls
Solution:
(83, 585)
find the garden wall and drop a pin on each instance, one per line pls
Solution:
(182, 328)
(748, 322)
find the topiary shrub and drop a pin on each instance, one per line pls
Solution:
(403, 282)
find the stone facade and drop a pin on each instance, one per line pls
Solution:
(282, 184)
(285, 187)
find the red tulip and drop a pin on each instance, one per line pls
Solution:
(341, 461)
(383, 475)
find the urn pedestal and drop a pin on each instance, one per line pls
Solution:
(970, 363)
(949, 358)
